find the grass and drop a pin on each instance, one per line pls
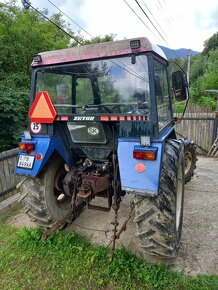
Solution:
(68, 261)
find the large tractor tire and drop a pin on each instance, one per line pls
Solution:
(159, 219)
(190, 158)
(43, 197)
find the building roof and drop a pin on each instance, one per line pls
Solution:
(96, 51)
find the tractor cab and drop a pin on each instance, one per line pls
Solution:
(128, 82)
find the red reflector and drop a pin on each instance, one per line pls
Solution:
(26, 146)
(140, 167)
(144, 155)
(104, 118)
(64, 118)
(39, 156)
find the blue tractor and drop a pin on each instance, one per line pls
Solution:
(101, 125)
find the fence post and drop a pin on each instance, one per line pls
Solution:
(215, 126)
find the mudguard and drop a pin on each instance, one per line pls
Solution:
(140, 177)
(46, 146)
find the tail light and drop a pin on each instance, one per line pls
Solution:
(28, 147)
(148, 153)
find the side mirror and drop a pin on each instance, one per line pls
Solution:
(179, 86)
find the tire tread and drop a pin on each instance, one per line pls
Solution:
(155, 216)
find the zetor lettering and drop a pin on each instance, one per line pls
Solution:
(83, 118)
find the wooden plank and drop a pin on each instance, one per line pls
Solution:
(11, 169)
(7, 173)
(210, 129)
(3, 176)
(8, 179)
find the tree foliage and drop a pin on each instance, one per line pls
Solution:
(210, 44)
(24, 33)
(204, 74)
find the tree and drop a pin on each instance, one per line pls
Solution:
(99, 39)
(204, 73)
(24, 33)
(210, 44)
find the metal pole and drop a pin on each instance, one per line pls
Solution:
(188, 65)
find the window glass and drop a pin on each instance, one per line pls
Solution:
(105, 86)
(162, 94)
(59, 88)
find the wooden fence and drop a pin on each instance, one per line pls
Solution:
(8, 178)
(200, 128)
(192, 108)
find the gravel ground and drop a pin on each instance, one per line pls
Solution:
(198, 252)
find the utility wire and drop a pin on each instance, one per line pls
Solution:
(70, 18)
(160, 4)
(151, 21)
(154, 17)
(136, 14)
(159, 26)
(138, 17)
(27, 4)
(148, 19)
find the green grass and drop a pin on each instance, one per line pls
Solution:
(68, 261)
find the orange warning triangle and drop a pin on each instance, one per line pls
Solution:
(42, 109)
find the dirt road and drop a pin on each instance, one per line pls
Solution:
(199, 247)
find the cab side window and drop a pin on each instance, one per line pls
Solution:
(162, 94)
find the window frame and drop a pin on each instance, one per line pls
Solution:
(154, 109)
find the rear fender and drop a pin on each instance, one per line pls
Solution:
(146, 182)
(46, 146)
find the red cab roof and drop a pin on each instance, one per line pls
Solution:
(95, 51)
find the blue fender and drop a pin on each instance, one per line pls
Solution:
(144, 183)
(45, 145)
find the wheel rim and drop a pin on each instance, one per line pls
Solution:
(61, 199)
(188, 161)
(179, 196)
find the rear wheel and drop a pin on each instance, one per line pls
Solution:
(43, 198)
(159, 219)
(190, 158)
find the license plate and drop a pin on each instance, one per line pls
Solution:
(25, 161)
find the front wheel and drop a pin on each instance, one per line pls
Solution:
(190, 158)
(159, 219)
(43, 198)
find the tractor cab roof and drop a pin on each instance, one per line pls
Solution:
(97, 51)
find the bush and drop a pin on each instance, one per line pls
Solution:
(13, 115)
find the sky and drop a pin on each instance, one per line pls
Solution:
(176, 24)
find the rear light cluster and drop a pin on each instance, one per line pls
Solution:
(28, 147)
(148, 153)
